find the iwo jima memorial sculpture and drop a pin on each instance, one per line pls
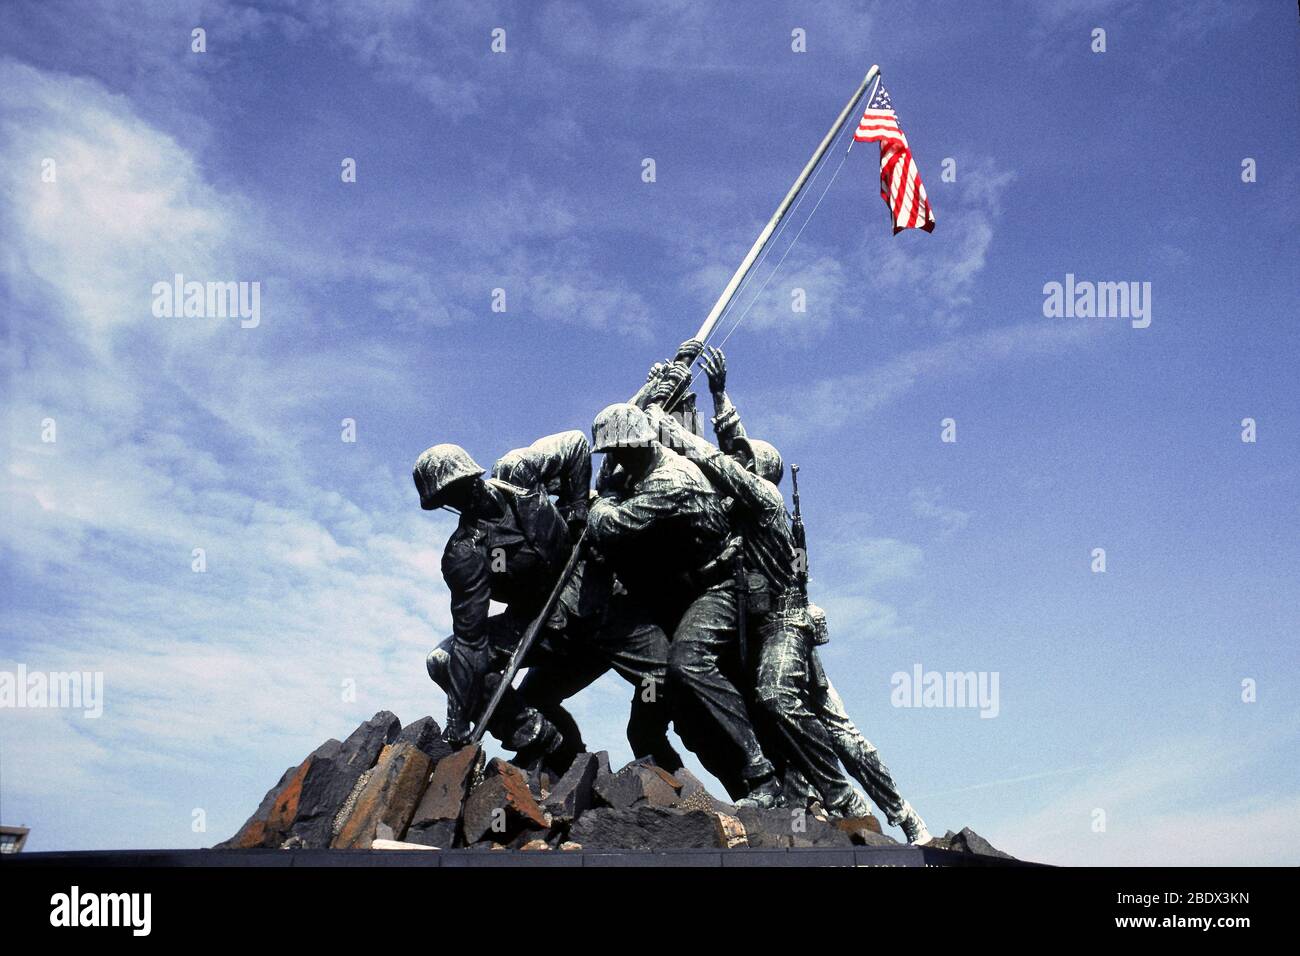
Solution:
(681, 570)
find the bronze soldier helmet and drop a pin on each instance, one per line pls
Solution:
(765, 460)
(621, 426)
(439, 467)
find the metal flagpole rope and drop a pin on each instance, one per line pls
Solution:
(792, 244)
(770, 245)
(728, 293)
(776, 268)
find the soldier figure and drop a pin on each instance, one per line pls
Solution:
(791, 685)
(591, 631)
(757, 514)
(661, 525)
(510, 545)
(599, 628)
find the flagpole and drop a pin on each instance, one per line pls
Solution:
(730, 291)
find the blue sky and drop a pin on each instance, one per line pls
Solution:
(522, 171)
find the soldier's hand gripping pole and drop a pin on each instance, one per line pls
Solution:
(527, 641)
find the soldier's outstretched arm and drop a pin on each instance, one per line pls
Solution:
(643, 394)
(722, 470)
(726, 419)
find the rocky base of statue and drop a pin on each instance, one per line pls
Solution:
(392, 787)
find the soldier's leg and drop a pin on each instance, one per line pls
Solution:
(459, 669)
(699, 734)
(783, 689)
(647, 731)
(795, 787)
(863, 762)
(553, 678)
(519, 726)
(698, 689)
(515, 723)
(859, 757)
(637, 649)
(438, 663)
(798, 791)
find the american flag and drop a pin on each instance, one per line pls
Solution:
(900, 184)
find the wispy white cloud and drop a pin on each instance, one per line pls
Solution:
(417, 46)
(851, 574)
(936, 280)
(804, 288)
(803, 299)
(171, 436)
(833, 402)
(1179, 31)
(1144, 798)
(927, 504)
(672, 35)
(413, 44)
(99, 234)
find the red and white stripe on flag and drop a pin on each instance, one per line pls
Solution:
(900, 184)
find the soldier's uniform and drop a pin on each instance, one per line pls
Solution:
(666, 535)
(859, 756)
(597, 628)
(590, 632)
(790, 682)
(511, 550)
(773, 609)
(605, 629)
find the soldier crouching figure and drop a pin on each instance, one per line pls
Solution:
(510, 544)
